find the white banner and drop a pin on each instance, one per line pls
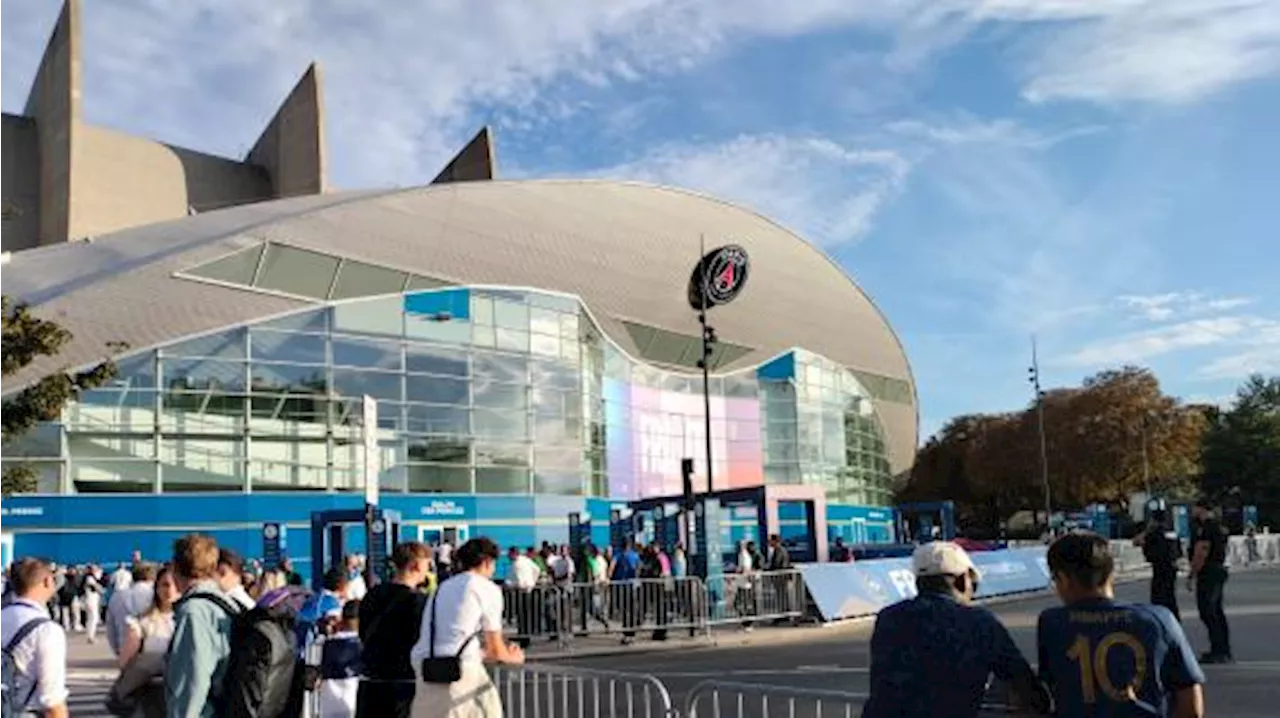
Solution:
(372, 458)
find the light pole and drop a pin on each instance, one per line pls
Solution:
(1033, 376)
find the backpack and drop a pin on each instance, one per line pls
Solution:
(10, 705)
(263, 677)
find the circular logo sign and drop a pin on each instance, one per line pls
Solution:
(270, 532)
(378, 526)
(719, 277)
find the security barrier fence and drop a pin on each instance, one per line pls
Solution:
(722, 699)
(550, 691)
(655, 606)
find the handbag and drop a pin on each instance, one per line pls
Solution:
(442, 669)
(137, 683)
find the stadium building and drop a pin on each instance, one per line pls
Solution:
(528, 344)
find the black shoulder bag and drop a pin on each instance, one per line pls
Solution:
(442, 669)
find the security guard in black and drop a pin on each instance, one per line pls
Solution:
(1162, 549)
(1209, 576)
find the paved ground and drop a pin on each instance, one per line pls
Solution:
(835, 658)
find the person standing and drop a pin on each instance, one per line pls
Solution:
(200, 651)
(1104, 658)
(389, 617)
(463, 624)
(931, 655)
(522, 577)
(444, 559)
(93, 590)
(36, 644)
(340, 669)
(1209, 578)
(143, 652)
(231, 578)
(129, 602)
(356, 586)
(1161, 549)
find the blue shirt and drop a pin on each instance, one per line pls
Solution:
(1090, 652)
(627, 567)
(931, 656)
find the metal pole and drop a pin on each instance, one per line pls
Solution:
(1044, 447)
(706, 366)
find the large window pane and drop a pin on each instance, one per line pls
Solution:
(512, 340)
(279, 346)
(383, 317)
(297, 271)
(366, 354)
(501, 453)
(493, 480)
(237, 268)
(379, 385)
(503, 368)
(505, 424)
(312, 321)
(435, 390)
(435, 360)
(287, 378)
(434, 419)
(501, 396)
(451, 331)
(224, 345)
(510, 314)
(203, 374)
(357, 279)
(555, 375)
(438, 479)
(439, 450)
(567, 482)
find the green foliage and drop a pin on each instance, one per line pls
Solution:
(1242, 448)
(1095, 435)
(26, 338)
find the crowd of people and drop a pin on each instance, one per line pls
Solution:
(934, 655)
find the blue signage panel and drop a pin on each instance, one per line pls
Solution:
(274, 544)
(847, 590)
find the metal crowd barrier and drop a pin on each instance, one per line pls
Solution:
(550, 691)
(720, 699)
(756, 596)
(559, 612)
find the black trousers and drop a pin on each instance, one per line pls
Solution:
(1164, 585)
(390, 699)
(1210, 585)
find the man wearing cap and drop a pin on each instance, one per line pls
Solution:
(931, 655)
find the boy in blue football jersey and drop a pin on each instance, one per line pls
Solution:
(1102, 658)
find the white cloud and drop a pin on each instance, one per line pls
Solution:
(967, 130)
(1259, 353)
(824, 190)
(1164, 51)
(1162, 307)
(404, 88)
(1144, 345)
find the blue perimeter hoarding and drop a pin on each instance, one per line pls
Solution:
(849, 590)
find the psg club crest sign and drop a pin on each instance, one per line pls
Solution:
(719, 277)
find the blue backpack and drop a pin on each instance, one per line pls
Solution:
(11, 705)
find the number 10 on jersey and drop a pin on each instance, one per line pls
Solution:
(1093, 662)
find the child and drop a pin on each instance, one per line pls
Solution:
(340, 667)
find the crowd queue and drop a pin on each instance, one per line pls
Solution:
(206, 635)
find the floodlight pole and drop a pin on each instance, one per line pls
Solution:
(708, 345)
(1044, 448)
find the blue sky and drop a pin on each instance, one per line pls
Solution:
(1102, 173)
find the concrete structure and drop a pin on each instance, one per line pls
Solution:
(67, 180)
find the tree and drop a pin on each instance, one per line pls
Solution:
(27, 337)
(1242, 447)
(1096, 437)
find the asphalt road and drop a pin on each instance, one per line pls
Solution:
(836, 658)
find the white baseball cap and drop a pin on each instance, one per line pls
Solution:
(942, 558)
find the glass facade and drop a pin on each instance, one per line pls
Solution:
(478, 390)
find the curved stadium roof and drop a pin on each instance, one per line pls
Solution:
(625, 248)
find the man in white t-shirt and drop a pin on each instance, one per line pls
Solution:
(464, 620)
(121, 578)
(444, 559)
(523, 575)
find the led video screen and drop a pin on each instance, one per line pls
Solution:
(650, 430)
